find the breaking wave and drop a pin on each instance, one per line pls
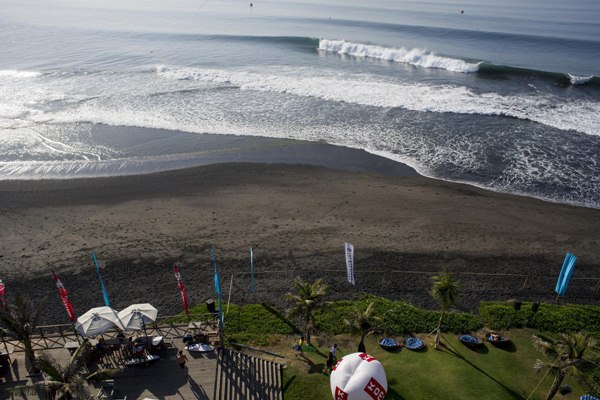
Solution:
(417, 57)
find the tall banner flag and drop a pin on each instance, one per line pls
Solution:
(2, 294)
(65, 299)
(181, 289)
(104, 293)
(217, 286)
(350, 262)
(565, 275)
(252, 268)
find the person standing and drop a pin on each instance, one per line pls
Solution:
(181, 360)
(331, 357)
(298, 347)
(333, 350)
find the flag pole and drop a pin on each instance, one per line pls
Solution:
(252, 268)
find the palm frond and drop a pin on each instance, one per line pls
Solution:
(102, 375)
(545, 346)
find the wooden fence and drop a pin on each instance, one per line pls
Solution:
(170, 327)
(244, 377)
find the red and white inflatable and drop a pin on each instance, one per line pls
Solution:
(358, 376)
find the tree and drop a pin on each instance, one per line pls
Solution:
(445, 291)
(568, 355)
(361, 321)
(307, 299)
(67, 382)
(19, 321)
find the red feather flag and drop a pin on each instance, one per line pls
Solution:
(63, 295)
(2, 293)
(181, 289)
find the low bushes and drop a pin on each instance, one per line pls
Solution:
(549, 317)
(396, 318)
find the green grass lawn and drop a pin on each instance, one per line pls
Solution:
(456, 372)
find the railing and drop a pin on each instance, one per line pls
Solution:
(243, 377)
(55, 336)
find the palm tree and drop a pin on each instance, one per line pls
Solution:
(19, 321)
(362, 322)
(445, 291)
(67, 382)
(568, 353)
(307, 299)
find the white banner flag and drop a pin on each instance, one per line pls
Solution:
(350, 262)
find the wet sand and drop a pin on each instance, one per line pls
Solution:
(405, 228)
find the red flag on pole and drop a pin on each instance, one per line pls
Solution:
(63, 295)
(181, 289)
(2, 293)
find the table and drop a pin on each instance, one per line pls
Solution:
(71, 346)
(132, 362)
(114, 342)
(4, 352)
(199, 348)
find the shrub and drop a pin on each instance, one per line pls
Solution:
(549, 317)
(397, 318)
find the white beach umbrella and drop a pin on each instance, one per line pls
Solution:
(97, 321)
(136, 316)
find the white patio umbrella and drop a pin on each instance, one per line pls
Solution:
(136, 316)
(97, 321)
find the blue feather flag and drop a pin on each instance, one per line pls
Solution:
(565, 274)
(104, 293)
(217, 286)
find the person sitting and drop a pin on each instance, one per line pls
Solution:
(128, 351)
(101, 346)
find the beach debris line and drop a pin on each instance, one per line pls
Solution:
(181, 287)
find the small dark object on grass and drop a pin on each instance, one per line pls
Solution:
(389, 344)
(497, 340)
(470, 341)
(413, 343)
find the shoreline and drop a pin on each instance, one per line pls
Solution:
(296, 218)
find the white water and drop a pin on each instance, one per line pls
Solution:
(417, 57)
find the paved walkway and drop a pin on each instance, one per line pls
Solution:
(163, 379)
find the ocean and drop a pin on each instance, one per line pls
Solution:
(499, 95)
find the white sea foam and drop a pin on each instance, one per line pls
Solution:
(162, 99)
(417, 57)
(11, 73)
(579, 80)
(578, 115)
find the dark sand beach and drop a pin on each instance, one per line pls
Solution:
(405, 228)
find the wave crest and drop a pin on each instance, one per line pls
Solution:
(11, 73)
(417, 57)
(579, 80)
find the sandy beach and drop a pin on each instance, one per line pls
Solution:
(296, 218)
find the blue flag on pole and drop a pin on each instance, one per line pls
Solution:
(217, 286)
(252, 268)
(565, 274)
(104, 293)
